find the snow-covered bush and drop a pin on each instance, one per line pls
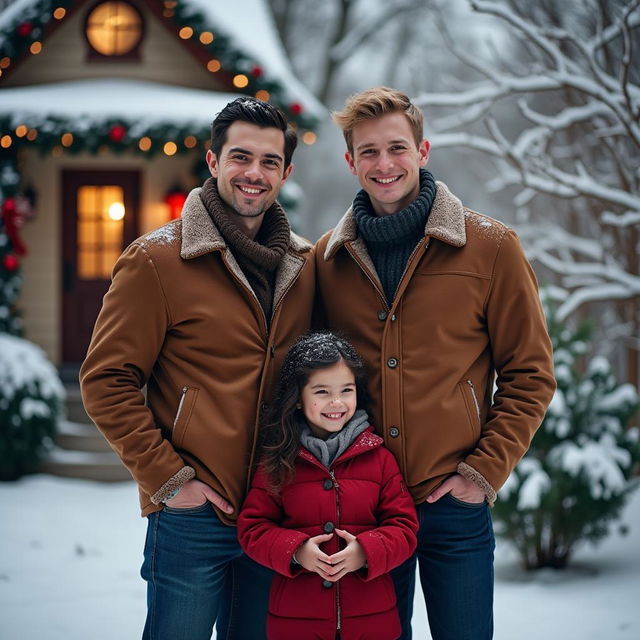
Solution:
(31, 403)
(578, 473)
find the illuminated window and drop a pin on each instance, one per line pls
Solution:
(101, 214)
(114, 29)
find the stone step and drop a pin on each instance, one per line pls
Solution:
(75, 408)
(75, 436)
(88, 465)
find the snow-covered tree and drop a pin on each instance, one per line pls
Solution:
(557, 107)
(578, 473)
(31, 403)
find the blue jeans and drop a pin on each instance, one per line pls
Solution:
(455, 556)
(196, 573)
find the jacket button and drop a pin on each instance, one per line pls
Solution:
(326, 584)
(394, 432)
(392, 363)
(328, 527)
(327, 484)
(393, 318)
(264, 406)
(382, 315)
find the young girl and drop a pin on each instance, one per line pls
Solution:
(328, 509)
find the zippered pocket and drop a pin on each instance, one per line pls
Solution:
(183, 414)
(473, 406)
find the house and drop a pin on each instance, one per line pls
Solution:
(105, 112)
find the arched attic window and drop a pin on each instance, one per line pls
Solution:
(114, 31)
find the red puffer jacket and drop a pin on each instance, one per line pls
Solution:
(364, 493)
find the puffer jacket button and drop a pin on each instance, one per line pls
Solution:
(328, 527)
(326, 584)
(327, 484)
(394, 432)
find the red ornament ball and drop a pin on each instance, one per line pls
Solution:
(117, 133)
(25, 29)
(9, 205)
(295, 108)
(257, 71)
(10, 262)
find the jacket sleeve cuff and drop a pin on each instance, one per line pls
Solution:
(175, 482)
(478, 479)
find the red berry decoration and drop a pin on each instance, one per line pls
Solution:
(9, 206)
(257, 71)
(295, 108)
(25, 29)
(117, 133)
(10, 262)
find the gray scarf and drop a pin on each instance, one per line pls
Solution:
(326, 451)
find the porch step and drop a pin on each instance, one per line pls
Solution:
(88, 465)
(75, 408)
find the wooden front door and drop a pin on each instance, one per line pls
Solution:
(100, 218)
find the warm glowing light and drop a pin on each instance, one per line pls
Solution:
(170, 148)
(5, 142)
(59, 13)
(214, 65)
(263, 95)
(36, 47)
(206, 37)
(190, 142)
(5, 62)
(66, 139)
(144, 144)
(32, 135)
(240, 81)
(309, 137)
(22, 130)
(116, 211)
(56, 152)
(185, 33)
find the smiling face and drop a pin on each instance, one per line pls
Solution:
(387, 162)
(250, 168)
(329, 399)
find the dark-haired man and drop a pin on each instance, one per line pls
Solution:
(440, 301)
(202, 312)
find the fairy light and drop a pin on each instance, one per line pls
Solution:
(170, 148)
(6, 141)
(22, 130)
(32, 135)
(190, 142)
(206, 37)
(214, 65)
(36, 47)
(240, 81)
(66, 139)
(59, 13)
(263, 95)
(144, 144)
(185, 33)
(309, 137)
(5, 62)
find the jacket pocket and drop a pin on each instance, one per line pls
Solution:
(472, 405)
(183, 415)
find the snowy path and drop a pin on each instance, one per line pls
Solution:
(70, 552)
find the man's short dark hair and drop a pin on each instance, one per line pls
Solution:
(255, 112)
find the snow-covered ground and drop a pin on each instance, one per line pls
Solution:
(70, 552)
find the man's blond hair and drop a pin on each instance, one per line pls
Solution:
(373, 103)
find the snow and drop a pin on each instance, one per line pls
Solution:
(532, 490)
(90, 99)
(72, 549)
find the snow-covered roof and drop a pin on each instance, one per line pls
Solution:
(249, 26)
(94, 99)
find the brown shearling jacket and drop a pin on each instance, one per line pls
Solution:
(180, 317)
(466, 313)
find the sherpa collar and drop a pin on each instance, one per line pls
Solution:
(445, 222)
(200, 236)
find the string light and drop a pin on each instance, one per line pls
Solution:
(185, 33)
(144, 144)
(32, 135)
(206, 37)
(36, 47)
(263, 95)
(5, 142)
(5, 62)
(22, 130)
(214, 65)
(66, 139)
(190, 142)
(170, 148)
(240, 81)
(59, 13)
(309, 137)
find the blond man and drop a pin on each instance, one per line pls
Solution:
(440, 301)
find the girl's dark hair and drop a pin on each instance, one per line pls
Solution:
(280, 432)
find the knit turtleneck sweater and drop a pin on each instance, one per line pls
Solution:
(259, 258)
(391, 239)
